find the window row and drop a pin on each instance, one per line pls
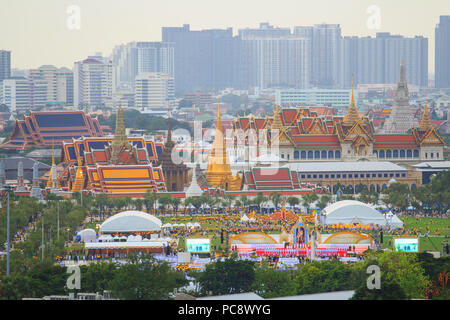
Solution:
(353, 175)
(396, 153)
(317, 154)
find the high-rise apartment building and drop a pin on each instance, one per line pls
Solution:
(14, 93)
(59, 84)
(265, 30)
(135, 58)
(203, 59)
(5, 64)
(93, 81)
(154, 91)
(375, 60)
(325, 42)
(442, 53)
(269, 62)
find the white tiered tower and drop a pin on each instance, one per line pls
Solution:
(401, 118)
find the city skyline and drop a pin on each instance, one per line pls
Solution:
(44, 24)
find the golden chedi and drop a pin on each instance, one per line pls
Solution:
(218, 172)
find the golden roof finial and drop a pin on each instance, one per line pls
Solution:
(352, 115)
(425, 123)
(53, 152)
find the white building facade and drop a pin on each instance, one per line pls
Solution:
(154, 90)
(93, 82)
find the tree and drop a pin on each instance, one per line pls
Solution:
(324, 276)
(323, 202)
(228, 199)
(271, 283)
(96, 276)
(390, 290)
(145, 278)
(293, 201)
(401, 268)
(309, 198)
(175, 203)
(227, 277)
(139, 204)
(244, 200)
(149, 200)
(164, 200)
(275, 197)
(398, 195)
(259, 200)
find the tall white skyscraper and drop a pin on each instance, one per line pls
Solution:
(93, 81)
(154, 90)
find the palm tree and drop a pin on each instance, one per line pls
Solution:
(149, 200)
(292, 201)
(275, 197)
(259, 200)
(309, 198)
(175, 203)
(323, 202)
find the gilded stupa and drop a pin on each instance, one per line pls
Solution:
(218, 172)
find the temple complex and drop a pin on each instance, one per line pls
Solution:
(301, 135)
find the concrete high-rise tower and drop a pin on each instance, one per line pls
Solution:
(442, 52)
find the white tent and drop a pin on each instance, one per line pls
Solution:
(252, 219)
(87, 235)
(244, 218)
(351, 211)
(167, 225)
(394, 222)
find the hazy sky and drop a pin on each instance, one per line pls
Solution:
(36, 31)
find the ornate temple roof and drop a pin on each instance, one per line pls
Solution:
(40, 129)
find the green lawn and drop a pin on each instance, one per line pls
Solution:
(440, 225)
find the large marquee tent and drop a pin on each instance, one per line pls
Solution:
(131, 221)
(352, 212)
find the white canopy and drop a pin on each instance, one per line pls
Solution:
(131, 221)
(167, 225)
(394, 222)
(352, 211)
(88, 235)
(244, 218)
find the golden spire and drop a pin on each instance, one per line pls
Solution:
(120, 136)
(352, 114)
(425, 123)
(50, 175)
(276, 123)
(218, 172)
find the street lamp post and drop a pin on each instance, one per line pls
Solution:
(8, 189)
